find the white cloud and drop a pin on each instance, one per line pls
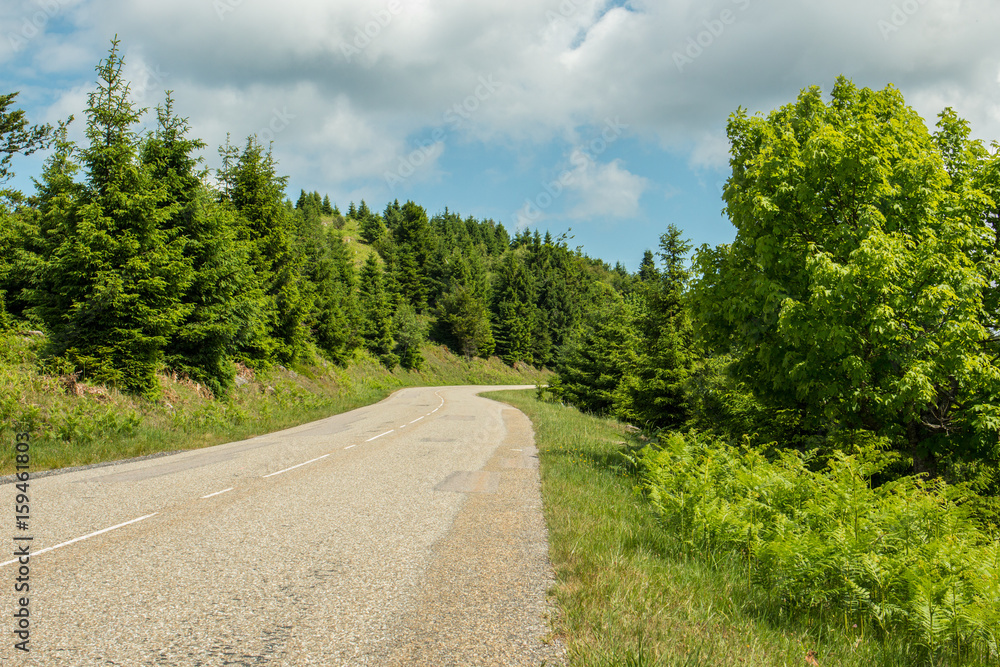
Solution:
(562, 65)
(603, 190)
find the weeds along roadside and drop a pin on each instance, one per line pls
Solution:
(634, 587)
(75, 423)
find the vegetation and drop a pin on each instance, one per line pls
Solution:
(819, 397)
(76, 422)
(637, 586)
(133, 262)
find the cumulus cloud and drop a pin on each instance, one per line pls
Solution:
(364, 78)
(605, 190)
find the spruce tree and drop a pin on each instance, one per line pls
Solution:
(654, 394)
(258, 196)
(225, 298)
(377, 313)
(514, 310)
(111, 291)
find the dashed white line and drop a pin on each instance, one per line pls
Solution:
(85, 537)
(297, 466)
(349, 446)
(416, 420)
(217, 493)
(379, 436)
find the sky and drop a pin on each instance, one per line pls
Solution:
(601, 119)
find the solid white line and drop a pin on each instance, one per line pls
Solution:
(349, 446)
(217, 493)
(297, 466)
(85, 537)
(416, 420)
(379, 436)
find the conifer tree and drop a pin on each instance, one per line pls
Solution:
(377, 313)
(654, 394)
(514, 310)
(111, 291)
(258, 196)
(225, 298)
(592, 372)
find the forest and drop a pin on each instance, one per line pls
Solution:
(821, 394)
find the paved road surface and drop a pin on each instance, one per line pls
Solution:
(404, 533)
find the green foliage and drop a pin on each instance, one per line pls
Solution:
(114, 271)
(410, 332)
(514, 312)
(653, 393)
(591, 376)
(257, 194)
(900, 559)
(377, 313)
(16, 136)
(851, 292)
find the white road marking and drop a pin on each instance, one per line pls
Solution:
(416, 420)
(85, 537)
(379, 436)
(297, 466)
(349, 446)
(403, 426)
(217, 493)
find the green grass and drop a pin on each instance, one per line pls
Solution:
(76, 424)
(632, 593)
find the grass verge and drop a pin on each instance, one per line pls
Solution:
(632, 593)
(74, 424)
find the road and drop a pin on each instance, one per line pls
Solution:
(408, 532)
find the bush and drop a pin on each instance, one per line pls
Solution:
(902, 559)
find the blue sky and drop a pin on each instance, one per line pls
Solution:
(604, 117)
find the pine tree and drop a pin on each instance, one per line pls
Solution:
(225, 298)
(654, 394)
(258, 196)
(111, 291)
(463, 311)
(514, 310)
(591, 374)
(647, 268)
(377, 313)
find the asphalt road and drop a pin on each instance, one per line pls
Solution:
(409, 532)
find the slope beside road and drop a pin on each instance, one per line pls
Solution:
(407, 532)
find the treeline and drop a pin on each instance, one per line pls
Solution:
(134, 258)
(859, 299)
(826, 388)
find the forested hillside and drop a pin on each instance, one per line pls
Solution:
(135, 259)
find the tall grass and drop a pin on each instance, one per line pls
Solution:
(76, 424)
(640, 584)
